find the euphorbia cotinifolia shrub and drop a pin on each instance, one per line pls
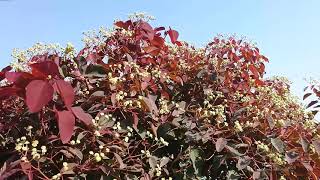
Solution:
(138, 103)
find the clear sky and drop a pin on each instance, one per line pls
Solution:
(287, 31)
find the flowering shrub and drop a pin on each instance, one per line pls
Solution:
(131, 105)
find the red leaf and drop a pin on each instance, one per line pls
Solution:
(291, 157)
(123, 25)
(221, 144)
(6, 92)
(21, 79)
(151, 105)
(66, 122)
(81, 115)
(38, 94)
(144, 85)
(157, 41)
(6, 69)
(254, 71)
(152, 50)
(316, 144)
(147, 29)
(312, 103)
(173, 34)
(135, 120)
(306, 96)
(120, 161)
(3, 72)
(45, 68)
(113, 99)
(27, 169)
(178, 43)
(159, 29)
(66, 92)
(13, 76)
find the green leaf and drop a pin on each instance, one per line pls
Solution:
(233, 151)
(94, 70)
(165, 131)
(304, 143)
(232, 175)
(153, 162)
(76, 152)
(221, 144)
(243, 162)
(164, 161)
(197, 161)
(278, 144)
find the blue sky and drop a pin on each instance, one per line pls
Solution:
(286, 31)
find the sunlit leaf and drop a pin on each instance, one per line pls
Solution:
(38, 94)
(66, 122)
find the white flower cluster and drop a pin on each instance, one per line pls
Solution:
(158, 170)
(23, 146)
(93, 38)
(164, 109)
(121, 95)
(238, 126)
(146, 153)
(141, 16)
(210, 110)
(261, 146)
(98, 156)
(21, 57)
(129, 134)
(114, 80)
(56, 177)
(100, 121)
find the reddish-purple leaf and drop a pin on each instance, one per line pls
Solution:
(66, 122)
(113, 99)
(135, 120)
(243, 162)
(151, 105)
(20, 79)
(316, 144)
(304, 143)
(306, 96)
(66, 92)
(144, 85)
(38, 94)
(123, 25)
(6, 92)
(221, 144)
(26, 168)
(3, 72)
(120, 161)
(147, 30)
(291, 157)
(81, 115)
(159, 29)
(45, 68)
(254, 71)
(312, 103)
(173, 34)
(13, 76)
(151, 50)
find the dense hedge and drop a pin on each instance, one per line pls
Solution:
(131, 105)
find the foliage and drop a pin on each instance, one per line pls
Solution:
(131, 105)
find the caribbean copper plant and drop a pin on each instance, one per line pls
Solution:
(138, 103)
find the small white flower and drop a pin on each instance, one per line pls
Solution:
(126, 139)
(72, 142)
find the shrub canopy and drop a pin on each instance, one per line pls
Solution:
(138, 103)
